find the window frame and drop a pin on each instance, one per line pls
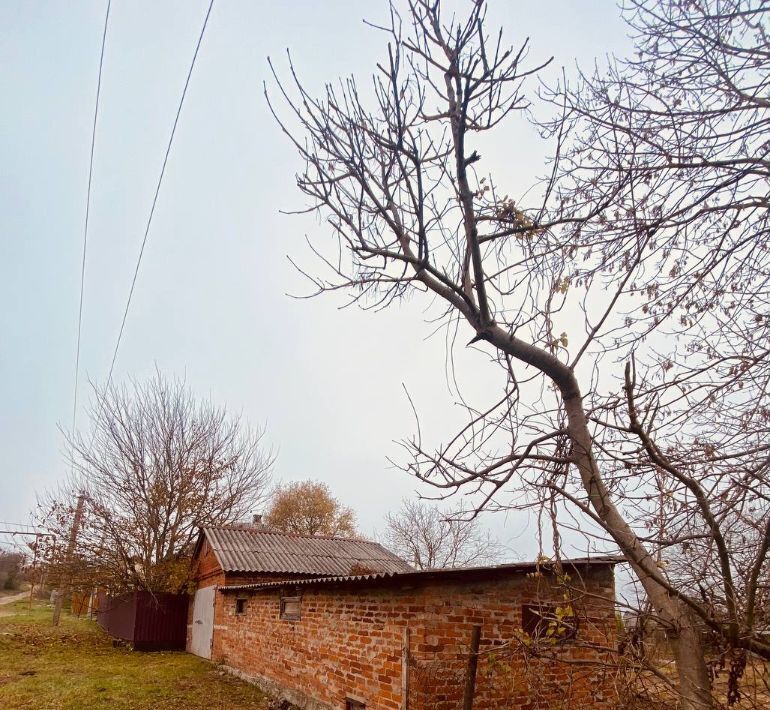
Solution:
(240, 605)
(290, 616)
(535, 620)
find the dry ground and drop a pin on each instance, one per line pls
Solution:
(75, 666)
(7, 595)
(646, 691)
(8, 598)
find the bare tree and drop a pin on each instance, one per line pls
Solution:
(626, 302)
(309, 508)
(428, 538)
(11, 569)
(156, 465)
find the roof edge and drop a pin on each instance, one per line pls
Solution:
(431, 574)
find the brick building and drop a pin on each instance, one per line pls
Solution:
(398, 638)
(254, 553)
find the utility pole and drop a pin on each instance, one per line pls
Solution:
(68, 556)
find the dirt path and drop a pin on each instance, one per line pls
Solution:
(12, 598)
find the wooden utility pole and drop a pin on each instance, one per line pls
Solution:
(68, 556)
(470, 676)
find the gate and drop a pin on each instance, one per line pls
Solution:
(147, 621)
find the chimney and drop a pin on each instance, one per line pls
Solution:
(256, 519)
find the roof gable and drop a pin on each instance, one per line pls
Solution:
(242, 549)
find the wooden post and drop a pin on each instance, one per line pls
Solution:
(405, 670)
(34, 567)
(68, 558)
(470, 676)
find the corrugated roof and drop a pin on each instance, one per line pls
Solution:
(432, 574)
(240, 549)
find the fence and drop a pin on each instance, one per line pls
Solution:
(149, 622)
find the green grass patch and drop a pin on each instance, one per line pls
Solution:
(76, 666)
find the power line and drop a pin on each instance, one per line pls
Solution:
(8, 530)
(23, 544)
(157, 192)
(88, 210)
(17, 525)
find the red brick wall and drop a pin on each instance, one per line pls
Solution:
(348, 643)
(206, 567)
(207, 573)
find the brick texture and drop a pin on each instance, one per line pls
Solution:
(208, 573)
(348, 642)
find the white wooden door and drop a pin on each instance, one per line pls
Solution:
(203, 622)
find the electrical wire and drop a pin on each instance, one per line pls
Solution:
(157, 192)
(29, 528)
(88, 211)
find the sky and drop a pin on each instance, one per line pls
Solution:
(212, 301)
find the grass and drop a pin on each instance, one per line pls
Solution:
(76, 666)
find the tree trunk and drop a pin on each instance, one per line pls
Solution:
(687, 646)
(686, 642)
(685, 639)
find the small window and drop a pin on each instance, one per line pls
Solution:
(291, 608)
(552, 622)
(240, 605)
(353, 704)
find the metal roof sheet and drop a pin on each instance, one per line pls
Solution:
(431, 574)
(241, 549)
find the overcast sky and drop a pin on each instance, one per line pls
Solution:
(211, 303)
